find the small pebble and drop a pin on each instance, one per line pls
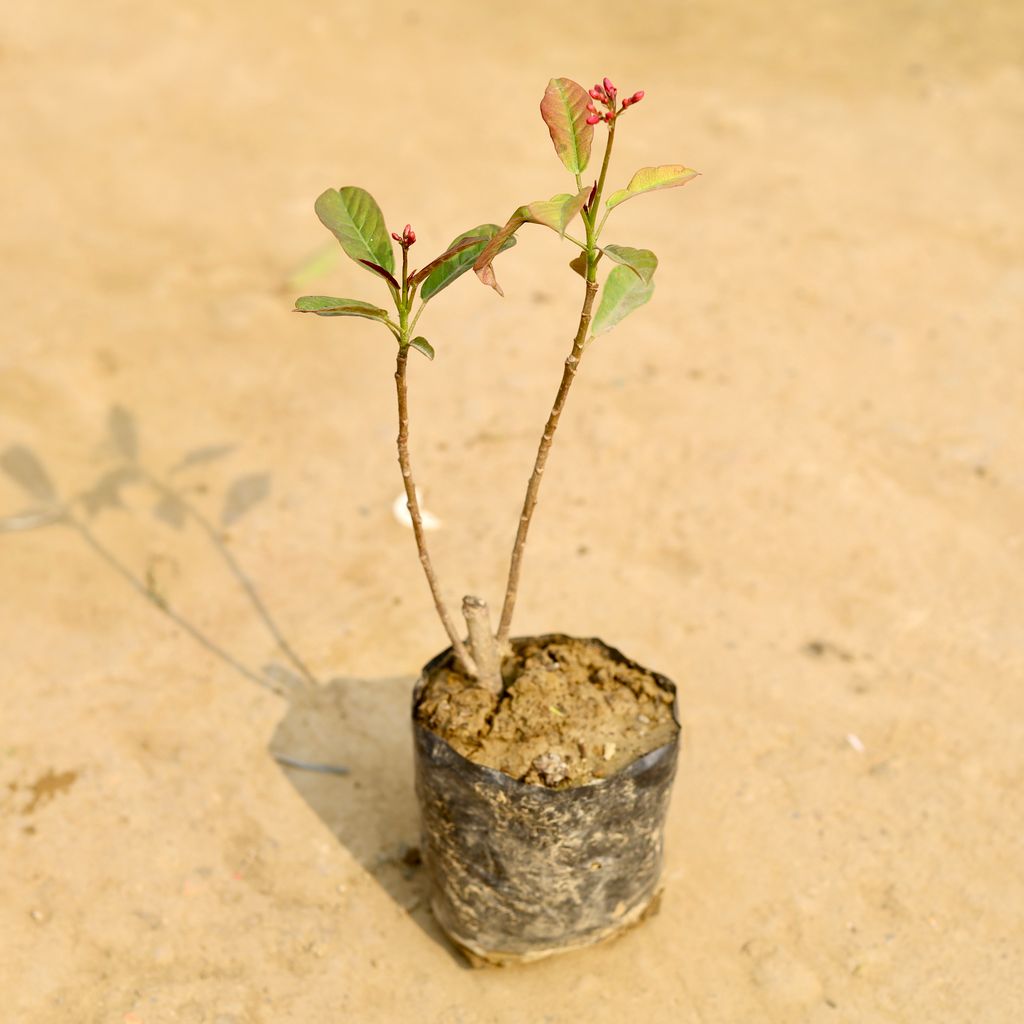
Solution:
(609, 751)
(552, 767)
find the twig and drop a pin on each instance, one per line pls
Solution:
(533, 487)
(401, 386)
(572, 363)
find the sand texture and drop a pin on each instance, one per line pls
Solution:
(793, 483)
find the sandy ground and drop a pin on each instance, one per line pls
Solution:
(794, 483)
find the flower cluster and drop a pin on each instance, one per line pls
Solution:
(606, 94)
(406, 238)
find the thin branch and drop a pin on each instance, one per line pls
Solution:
(415, 319)
(600, 184)
(572, 363)
(412, 502)
(533, 487)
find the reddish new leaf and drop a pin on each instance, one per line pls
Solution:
(556, 213)
(378, 269)
(454, 250)
(564, 109)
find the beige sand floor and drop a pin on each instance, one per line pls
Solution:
(794, 482)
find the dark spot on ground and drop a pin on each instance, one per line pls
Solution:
(825, 649)
(46, 787)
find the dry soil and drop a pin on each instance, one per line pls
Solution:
(793, 483)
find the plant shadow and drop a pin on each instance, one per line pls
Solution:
(364, 724)
(344, 745)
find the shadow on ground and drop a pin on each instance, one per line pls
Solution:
(365, 725)
(362, 725)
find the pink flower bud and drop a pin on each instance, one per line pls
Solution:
(408, 235)
(597, 93)
(593, 118)
(609, 88)
(397, 238)
(637, 96)
(591, 108)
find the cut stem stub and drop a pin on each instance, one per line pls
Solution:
(483, 646)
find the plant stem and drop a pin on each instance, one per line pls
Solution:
(412, 502)
(482, 646)
(572, 363)
(533, 487)
(604, 172)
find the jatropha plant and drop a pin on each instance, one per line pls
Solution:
(505, 730)
(573, 116)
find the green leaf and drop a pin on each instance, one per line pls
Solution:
(642, 262)
(648, 179)
(327, 305)
(564, 109)
(354, 218)
(556, 213)
(455, 260)
(422, 345)
(623, 292)
(455, 249)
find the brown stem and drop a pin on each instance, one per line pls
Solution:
(482, 645)
(412, 502)
(532, 489)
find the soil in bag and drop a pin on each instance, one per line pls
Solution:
(571, 713)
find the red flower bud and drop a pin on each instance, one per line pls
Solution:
(609, 88)
(593, 118)
(397, 238)
(591, 108)
(637, 96)
(408, 235)
(597, 93)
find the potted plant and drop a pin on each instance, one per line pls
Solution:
(543, 763)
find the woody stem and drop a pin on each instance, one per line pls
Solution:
(412, 502)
